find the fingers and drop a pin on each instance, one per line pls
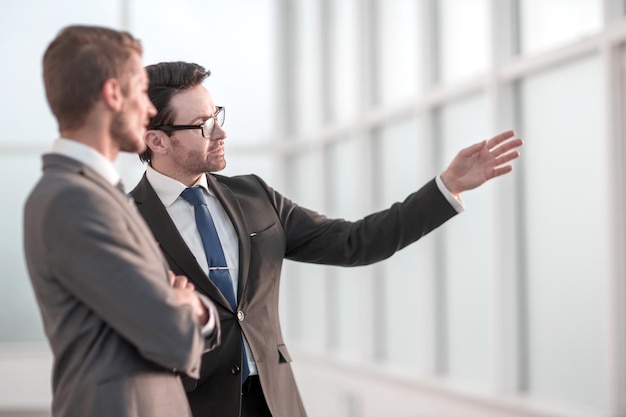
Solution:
(502, 170)
(188, 297)
(471, 150)
(499, 138)
(183, 282)
(492, 145)
(506, 158)
(504, 152)
(180, 281)
(184, 296)
(506, 147)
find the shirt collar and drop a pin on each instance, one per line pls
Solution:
(88, 156)
(168, 189)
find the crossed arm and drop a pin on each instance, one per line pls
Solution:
(186, 295)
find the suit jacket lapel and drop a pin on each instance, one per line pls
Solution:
(232, 208)
(171, 241)
(71, 165)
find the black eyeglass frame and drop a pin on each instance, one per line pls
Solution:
(218, 117)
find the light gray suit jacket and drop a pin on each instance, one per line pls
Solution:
(118, 336)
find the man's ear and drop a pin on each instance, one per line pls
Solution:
(112, 94)
(155, 140)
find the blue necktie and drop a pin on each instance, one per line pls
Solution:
(218, 268)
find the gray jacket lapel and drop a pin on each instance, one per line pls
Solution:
(53, 162)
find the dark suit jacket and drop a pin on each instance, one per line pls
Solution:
(271, 228)
(112, 319)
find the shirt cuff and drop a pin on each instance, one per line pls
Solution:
(455, 202)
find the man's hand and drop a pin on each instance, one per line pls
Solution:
(186, 294)
(477, 164)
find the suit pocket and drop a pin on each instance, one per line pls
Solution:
(283, 354)
(264, 233)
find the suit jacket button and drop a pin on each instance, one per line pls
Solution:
(240, 315)
(235, 370)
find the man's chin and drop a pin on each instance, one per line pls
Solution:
(133, 147)
(217, 167)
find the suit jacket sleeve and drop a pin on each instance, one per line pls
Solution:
(312, 237)
(106, 265)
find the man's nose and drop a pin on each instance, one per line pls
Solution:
(152, 111)
(218, 133)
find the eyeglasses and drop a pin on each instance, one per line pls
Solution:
(208, 127)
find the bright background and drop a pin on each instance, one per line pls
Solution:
(514, 308)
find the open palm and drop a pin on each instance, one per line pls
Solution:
(478, 163)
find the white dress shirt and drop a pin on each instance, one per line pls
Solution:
(455, 202)
(88, 156)
(182, 214)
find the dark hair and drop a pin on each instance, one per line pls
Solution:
(166, 80)
(77, 63)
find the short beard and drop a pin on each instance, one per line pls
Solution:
(191, 162)
(124, 137)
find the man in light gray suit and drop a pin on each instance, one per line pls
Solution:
(122, 327)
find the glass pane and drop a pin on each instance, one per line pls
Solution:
(244, 163)
(345, 58)
(20, 320)
(237, 47)
(308, 304)
(465, 36)
(342, 164)
(404, 163)
(130, 168)
(37, 23)
(400, 40)
(305, 179)
(306, 283)
(308, 87)
(184, 37)
(403, 160)
(567, 201)
(345, 283)
(549, 24)
(468, 243)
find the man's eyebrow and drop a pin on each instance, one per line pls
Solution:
(204, 117)
(201, 118)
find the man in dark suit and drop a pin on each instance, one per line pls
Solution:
(122, 327)
(257, 228)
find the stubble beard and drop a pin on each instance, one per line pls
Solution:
(127, 140)
(195, 163)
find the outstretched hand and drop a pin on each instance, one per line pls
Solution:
(477, 164)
